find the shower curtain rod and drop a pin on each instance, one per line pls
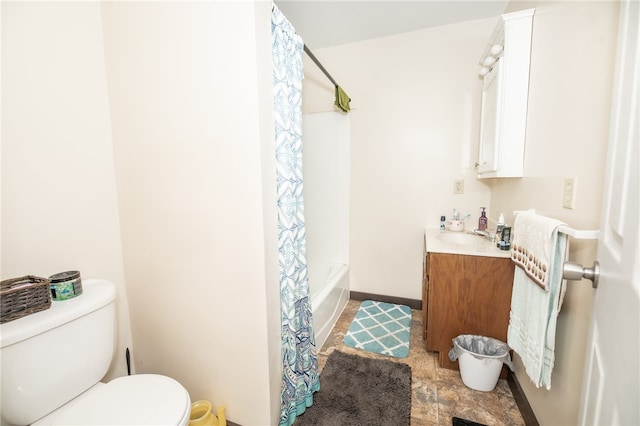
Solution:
(313, 58)
(317, 62)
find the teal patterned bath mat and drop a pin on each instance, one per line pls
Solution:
(383, 328)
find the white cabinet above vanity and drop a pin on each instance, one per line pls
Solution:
(505, 91)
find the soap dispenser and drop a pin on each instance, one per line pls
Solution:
(482, 220)
(500, 223)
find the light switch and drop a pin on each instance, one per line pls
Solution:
(569, 194)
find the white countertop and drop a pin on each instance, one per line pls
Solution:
(462, 243)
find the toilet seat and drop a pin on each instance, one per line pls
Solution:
(142, 399)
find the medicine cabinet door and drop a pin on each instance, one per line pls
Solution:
(490, 121)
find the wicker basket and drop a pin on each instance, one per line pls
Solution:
(23, 296)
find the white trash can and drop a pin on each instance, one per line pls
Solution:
(480, 359)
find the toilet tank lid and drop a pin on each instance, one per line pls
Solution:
(96, 294)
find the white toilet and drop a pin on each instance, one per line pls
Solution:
(52, 363)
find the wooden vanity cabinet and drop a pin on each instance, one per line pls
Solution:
(464, 295)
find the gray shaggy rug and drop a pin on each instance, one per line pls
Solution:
(357, 391)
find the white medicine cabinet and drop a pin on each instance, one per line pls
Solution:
(505, 91)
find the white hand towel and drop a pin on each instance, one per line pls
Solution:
(531, 248)
(534, 307)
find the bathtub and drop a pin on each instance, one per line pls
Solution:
(329, 293)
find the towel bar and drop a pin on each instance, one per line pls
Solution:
(565, 229)
(579, 234)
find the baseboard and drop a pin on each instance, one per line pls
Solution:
(521, 400)
(412, 303)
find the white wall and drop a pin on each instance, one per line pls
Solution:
(186, 89)
(414, 124)
(59, 207)
(573, 53)
(137, 142)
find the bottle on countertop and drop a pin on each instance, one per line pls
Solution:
(505, 238)
(482, 221)
(442, 220)
(499, 228)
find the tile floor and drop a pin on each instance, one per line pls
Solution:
(438, 394)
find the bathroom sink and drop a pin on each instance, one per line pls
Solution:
(463, 242)
(460, 238)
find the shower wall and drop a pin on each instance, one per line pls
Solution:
(326, 171)
(325, 158)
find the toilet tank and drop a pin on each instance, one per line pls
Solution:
(50, 357)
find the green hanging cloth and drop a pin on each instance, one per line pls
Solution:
(342, 99)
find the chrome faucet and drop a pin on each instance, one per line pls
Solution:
(488, 235)
(479, 232)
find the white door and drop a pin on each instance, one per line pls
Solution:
(611, 390)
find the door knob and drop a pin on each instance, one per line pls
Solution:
(574, 271)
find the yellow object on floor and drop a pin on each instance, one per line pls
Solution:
(201, 415)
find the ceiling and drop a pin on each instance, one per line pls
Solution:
(325, 23)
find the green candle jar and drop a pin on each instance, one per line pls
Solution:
(65, 285)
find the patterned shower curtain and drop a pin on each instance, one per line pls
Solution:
(299, 361)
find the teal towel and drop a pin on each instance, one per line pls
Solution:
(534, 310)
(342, 99)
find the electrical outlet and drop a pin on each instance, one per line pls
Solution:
(458, 186)
(569, 194)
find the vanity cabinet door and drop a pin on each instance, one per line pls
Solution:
(467, 295)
